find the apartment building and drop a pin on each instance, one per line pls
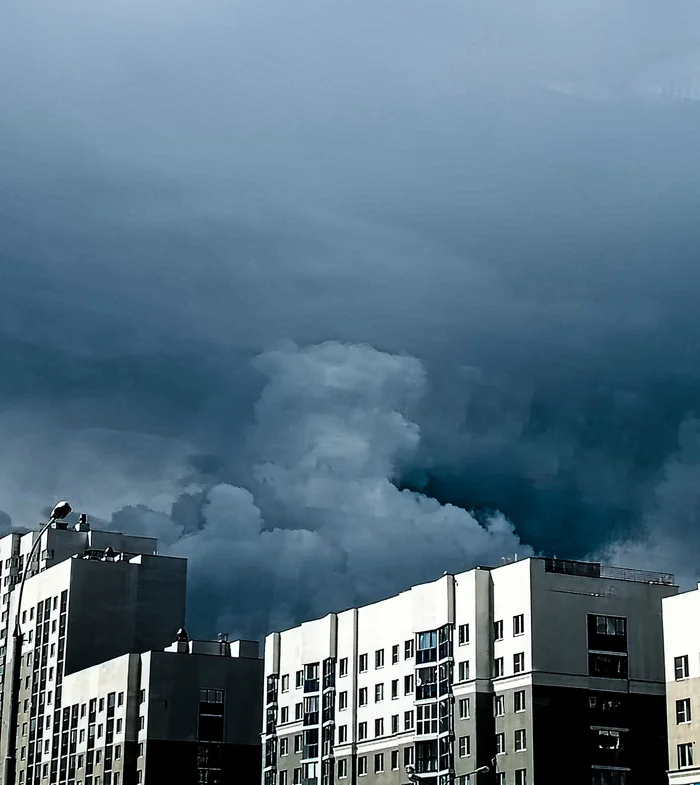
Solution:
(682, 664)
(543, 670)
(189, 714)
(99, 699)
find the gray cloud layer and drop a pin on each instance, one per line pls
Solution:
(506, 193)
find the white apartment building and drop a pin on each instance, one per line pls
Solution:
(543, 670)
(682, 664)
(99, 701)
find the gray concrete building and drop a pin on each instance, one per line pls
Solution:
(682, 664)
(100, 700)
(543, 670)
(188, 714)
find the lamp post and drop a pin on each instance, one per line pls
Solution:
(59, 512)
(416, 778)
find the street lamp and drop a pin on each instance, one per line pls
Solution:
(59, 512)
(416, 778)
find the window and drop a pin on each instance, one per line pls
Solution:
(311, 707)
(464, 746)
(408, 650)
(379, 763)
(394, 689)
(378, 728)
(408, 756)
(285, 683)
(298, 711)
(519, 624)
(427, 647)
(362, 697)
(299, 679)
(394, 723)
(362, 731)
(519, 740)
(519, 662)
(463, 707)
(408, 720)
(608, 740)
(296, 776)
(379, 658)
(342, 701)
(298, 743)
(363, 663)
(607, 666)
(118, 751)
(344, 672)
(394, 760)
(142, 699)
(685, 755)
(284, 746)
(464, 670)
(362, 766)
(683, 711)
(463, 634)
(426, 683)
(500, 743)
(119, 725)
(378, 693)
(342, 734)
(394, 654)
(498, 630)
(520, 777)
(499, 705)
(498, 667)
(408, 684)
(680, 667)
(284, 714)
(426, 719)
(342, 769)
(610, 625)
(283, 778)
(142, 722)
(607, 633)
(311, 681)
(519, 700)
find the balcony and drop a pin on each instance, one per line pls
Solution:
(311, 685)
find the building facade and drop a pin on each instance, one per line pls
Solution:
(189, 714)
(100, 702)
(545, 671)
(682, 664)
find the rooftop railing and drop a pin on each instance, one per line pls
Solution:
(597, 570)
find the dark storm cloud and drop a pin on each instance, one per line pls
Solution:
(507, 193)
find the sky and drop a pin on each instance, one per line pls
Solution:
(333, 297)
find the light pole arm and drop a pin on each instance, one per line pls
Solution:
(9, 768)
(25, 572)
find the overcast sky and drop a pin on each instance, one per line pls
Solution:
(335, 296)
